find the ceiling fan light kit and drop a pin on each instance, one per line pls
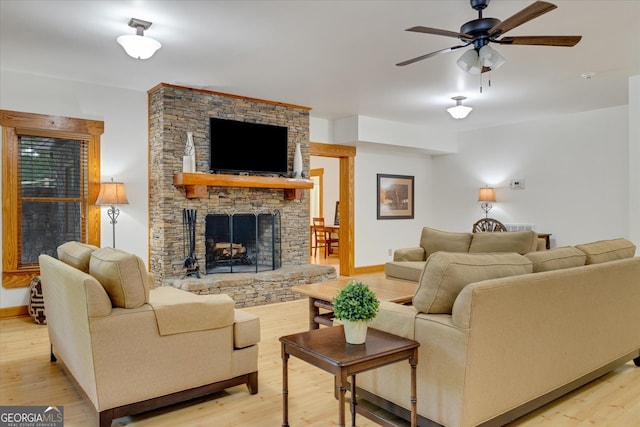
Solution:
(459, 111)
(137, 46)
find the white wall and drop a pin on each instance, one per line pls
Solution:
(374, 237)
(124, 148)
(576, 172)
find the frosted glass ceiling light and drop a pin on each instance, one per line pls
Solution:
(470, 62)
(489, 57)
(137, 46)
(459, 111)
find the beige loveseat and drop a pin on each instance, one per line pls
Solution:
(408, 263)
(503, 334)
(131, 348)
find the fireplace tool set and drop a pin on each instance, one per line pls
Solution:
(189, 238)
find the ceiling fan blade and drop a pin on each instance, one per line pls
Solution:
(567, 41)
(525, 15)
(429, 55)
(438, 32)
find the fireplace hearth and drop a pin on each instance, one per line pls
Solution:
(243, 242)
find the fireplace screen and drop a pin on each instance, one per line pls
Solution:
(243, 242)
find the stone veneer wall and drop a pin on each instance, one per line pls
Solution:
(174, 111)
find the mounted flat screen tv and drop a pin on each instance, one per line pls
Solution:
(247, 147)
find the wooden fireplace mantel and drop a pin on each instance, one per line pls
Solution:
(196, 184)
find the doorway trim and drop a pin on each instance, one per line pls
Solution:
(346, 155)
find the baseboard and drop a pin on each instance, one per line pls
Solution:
(369, 269)
(9, 312)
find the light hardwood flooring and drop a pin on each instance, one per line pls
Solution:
(28, 378)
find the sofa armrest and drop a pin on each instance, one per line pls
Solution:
(395, 319)
(409, 254)
(246, 329)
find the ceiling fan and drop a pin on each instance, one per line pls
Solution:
(482, 31)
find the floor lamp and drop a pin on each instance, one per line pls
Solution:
(112, 194)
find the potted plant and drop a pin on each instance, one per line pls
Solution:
(355, 305)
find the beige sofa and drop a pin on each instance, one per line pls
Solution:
(132, 348)
(408, 263)
(503, 334)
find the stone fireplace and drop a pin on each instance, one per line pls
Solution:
(174, 111)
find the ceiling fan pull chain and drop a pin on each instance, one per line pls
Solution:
(480, 82)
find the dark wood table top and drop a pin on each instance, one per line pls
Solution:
(330, 346)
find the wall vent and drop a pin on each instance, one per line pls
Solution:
(520, 227)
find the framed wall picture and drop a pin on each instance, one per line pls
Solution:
(395, 196)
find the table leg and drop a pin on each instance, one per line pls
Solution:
(353, 401)
(413, 361)
(314, 311)
(342, 385)
(285, 387)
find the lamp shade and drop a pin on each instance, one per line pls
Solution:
(470, 62)
(112, 193)
(489, 57)
(139, 46)
(487, 194)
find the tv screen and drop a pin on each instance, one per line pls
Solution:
(247, 147)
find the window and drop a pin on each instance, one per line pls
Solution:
(50, 181)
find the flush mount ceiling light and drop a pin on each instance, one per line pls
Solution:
(137, 46)
(459, 111)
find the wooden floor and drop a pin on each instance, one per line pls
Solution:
(28, 378)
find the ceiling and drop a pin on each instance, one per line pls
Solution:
(337, 57)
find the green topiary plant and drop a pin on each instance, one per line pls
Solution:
(355, 302)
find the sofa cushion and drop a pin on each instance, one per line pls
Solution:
(433, 240)
(557, 259)
(122, 275)
(446, 274)
(521, 242)
(76, 254)
(607, 250)
(406, 270)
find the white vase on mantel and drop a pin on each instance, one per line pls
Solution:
(355, 332)
(189, 157)
(297, 162)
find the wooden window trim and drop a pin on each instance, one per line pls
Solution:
(18, 123)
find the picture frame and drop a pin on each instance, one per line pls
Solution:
(395, 196)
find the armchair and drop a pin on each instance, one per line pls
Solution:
(131, 347)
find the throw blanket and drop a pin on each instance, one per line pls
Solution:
(180, 311)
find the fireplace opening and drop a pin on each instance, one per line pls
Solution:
(243, 242)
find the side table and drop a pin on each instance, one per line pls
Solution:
(327, 349)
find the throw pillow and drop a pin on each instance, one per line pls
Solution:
(556, 259)
(433, 240)
(123, 276)
(36, 302)
(607, 250)
(76, 254)
(521, 242)
(446, 274)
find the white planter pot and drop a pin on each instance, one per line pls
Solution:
(355, 332)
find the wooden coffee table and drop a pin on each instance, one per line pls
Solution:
(328, 350)
(321, 295)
